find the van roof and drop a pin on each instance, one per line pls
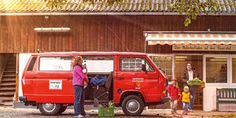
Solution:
(88, 53)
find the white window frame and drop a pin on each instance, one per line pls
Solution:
(231, 71)
(228, 70)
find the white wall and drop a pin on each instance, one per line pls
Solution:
(209, 92)
(23, 59)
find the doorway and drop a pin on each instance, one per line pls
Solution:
(197, 65)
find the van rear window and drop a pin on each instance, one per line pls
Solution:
(55, 64)
(31, 65)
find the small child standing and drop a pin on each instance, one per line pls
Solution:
(174, 93)
(185, 100)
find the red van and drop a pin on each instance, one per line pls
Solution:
(133, 81)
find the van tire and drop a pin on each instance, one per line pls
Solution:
(49, 108)
(135, 102)
(62, 109)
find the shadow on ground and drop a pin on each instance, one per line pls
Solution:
(69, 115)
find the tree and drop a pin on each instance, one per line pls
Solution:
(191, 9)
(194, 8)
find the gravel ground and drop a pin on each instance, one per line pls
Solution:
(9, 112)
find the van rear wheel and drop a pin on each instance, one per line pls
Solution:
(50, 108)
(132, 105)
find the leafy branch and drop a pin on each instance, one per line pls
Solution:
(194, 8)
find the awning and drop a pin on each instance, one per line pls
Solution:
(190, 38)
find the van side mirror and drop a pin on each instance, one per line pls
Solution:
(144, 68)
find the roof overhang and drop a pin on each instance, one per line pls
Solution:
(102, 13)
(190, 37)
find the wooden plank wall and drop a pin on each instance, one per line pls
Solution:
(97, 33)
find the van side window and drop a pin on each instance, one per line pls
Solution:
(134, 64)
(55, 63)
(31, 64)
(99, 64)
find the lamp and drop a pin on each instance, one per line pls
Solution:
(52, 29)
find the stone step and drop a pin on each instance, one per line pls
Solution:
(7, 94)
(9, 72)
(7, 84)
(9, 80)
(6, 99)
(11, 62)
(6, 104)
(8, 88)
(10, 67)
(8, 75)
(2, 90)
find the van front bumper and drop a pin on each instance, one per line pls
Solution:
(22, 99)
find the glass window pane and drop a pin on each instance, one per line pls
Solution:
(216, 70)
(134, 64)
(234, 70)
(131, 64)
(55, 63)
(164, 63)
(31, 65)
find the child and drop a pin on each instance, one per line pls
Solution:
(174, 93)
(185, 100)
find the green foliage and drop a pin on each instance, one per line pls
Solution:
(194, 8)
(55, 3)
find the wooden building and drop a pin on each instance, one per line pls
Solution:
(30, 26)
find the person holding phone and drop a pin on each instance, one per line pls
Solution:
(78, 82)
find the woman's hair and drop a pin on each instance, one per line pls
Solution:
(77, 59)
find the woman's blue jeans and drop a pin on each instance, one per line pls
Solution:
(79, 100)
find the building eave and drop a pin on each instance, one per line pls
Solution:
(103, 13)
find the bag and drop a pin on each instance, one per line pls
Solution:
(98, 80)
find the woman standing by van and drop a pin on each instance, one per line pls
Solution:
(78, 83)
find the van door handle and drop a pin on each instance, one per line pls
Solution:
(69, 78)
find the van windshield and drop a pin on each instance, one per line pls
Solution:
(162, 73)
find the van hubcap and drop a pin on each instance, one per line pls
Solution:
(48, 107)
(132, 106)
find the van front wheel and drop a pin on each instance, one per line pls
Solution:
(132, 105)
(49, 108)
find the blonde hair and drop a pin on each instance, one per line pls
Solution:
(186, 88)
(78, 60)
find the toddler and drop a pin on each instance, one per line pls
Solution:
(185, 100)
(174, 93)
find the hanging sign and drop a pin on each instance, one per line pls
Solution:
(203, 48)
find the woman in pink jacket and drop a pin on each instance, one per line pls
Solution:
(78, 82)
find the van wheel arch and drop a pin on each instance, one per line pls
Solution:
(50, 108)
(125, 94)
